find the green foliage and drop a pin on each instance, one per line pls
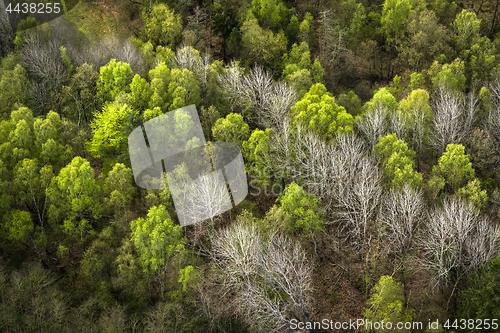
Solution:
(384, 98)
(317, 111)
(304, 209)
(188, 277)
(426, 40)
(119, 188)
(397, 161)
(417, 81)
(417, 99)
(394, 19)
(224, 17)
(270, 13)
(262, 46)
(481, 301)
(299, 71)
(208, 117)
(481, 149)
(256, 151)
(292, 30)
(449, 75)
(114, 79)
(173, 89)
(73, 200)
(351, 102)
(17, 226)
(183, 89)
(466, 27)
(306, 27)
(387, 304)
(232, 128)
(30, 183)
(107, 128)
(27, 137)
(80, 94)
(156, 238)
(472, 192)
(454, 168)
(140, 92)
(13, 85)
(162, 26)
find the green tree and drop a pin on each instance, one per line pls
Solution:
(481, 301)
(304, 209)
(317, 111)
(270, 13)
(72, 195)
(397, 161)
(107, 128)
(140, 92)
(351, 102)
(305, 27)
(160, 78)
(256, 152)
(80, 94)
(48, 140)
(466, 27)
(17, 137)
(382, 97)
(156, 238)
(299, 71)
(232, 128)
(450, 75)
(418, 116)
(426, 40)
(454, 168)
(173, 89)
(208, 117)
(119, 188)
(162, 26)
(262, 46)
(114, 79)
(13, 85)
(30, 183)
(386, 304)
(395, 14)
(472, 191)
(183, 89)
(17, 226)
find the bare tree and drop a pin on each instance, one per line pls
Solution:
(484, 245)
(398, 124)
(357, 202)
(402, 212)
(454, 117)
(373, 125)
(456, 237)
(269, 103)
(418, 131)
(189, 58)
(276, 107)
(206, 198)
(265, 281)
(231, 82)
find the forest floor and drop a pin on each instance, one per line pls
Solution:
(99, 18)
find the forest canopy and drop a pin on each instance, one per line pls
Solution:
(370, 135)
